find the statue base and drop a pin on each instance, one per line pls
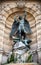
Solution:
(22, 64)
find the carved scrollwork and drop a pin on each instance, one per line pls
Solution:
(20, 4)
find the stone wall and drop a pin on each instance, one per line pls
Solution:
(7, 12)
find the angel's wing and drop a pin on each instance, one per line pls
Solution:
(27, 27)
(14, 28)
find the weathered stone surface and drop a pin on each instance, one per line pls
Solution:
(23, 64)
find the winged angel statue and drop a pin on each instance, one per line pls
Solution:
(20, 26)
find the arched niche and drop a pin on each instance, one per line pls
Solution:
(10, 20)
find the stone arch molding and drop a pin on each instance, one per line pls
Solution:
(29, 8)
(10, 9)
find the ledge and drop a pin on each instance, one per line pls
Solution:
(22, 64)
(23, 0)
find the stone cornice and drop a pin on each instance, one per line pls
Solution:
(19, 0)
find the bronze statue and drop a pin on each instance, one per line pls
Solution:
(21, 27)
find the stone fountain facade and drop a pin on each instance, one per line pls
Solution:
(8, 10)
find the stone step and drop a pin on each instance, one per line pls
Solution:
(22, 64)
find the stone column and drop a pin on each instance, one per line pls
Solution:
(0, 57)
(1, 33)
(38, 18)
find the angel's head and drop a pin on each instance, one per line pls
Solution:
(20, 17)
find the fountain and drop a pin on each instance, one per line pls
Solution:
(21, 43)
